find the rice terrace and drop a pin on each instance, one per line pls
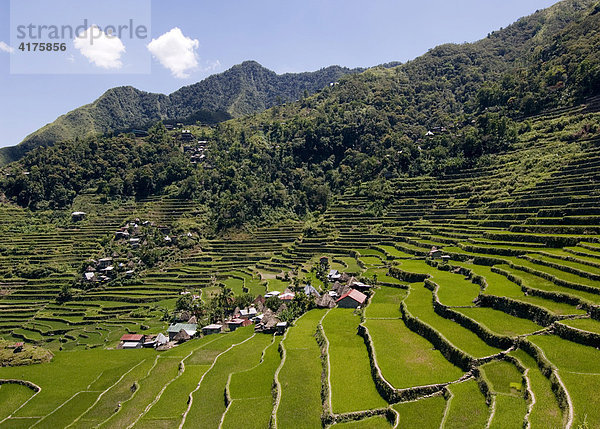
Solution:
(412, 245)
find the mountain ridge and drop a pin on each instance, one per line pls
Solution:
(243, 89)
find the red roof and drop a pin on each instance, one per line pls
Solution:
(19, 345)
(355, 295)
(132, 337)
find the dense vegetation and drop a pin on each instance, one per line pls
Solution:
(244, 89)
(502, 331)
(370, 127)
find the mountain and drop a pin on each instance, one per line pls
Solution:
(454, 108)
(244, 89)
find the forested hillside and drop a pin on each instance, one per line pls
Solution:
(244, 89)
(370, 126)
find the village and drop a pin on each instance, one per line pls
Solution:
(344, 291)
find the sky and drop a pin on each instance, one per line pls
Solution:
(189, 40)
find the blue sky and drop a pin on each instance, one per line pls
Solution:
(284, 36)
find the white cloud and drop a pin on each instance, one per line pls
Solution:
(99, 48)
(175, 52)
(6, 48)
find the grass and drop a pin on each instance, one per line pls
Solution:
(467, 408)
(385, 302)
(510, 402)
(419, 305)
(208, 405)
(352, 388)
(252, 399)
(351, 265)
(12, 396)
(590, 325)
(499, 285)
(422, 414)
(300, 376)
(579, 367)
(499, 322)
(405, 358)
(375, 422)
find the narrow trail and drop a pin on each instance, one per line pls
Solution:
(328, 361)
(179, 374)
(102, 394)
(279, 391)
(23, 404)
(191, 395)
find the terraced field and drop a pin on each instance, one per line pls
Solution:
(503, 334)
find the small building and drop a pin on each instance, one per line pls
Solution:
(214, 328)
(233, 324)
(132, 341)
(333, 275)
(189, 328)
(104, 262)
(310, 290)
(89, 276)
(435, 253)
(161, 339)
(360, 286)
(17, 347)
(325, 301)
(446, 258)
(281, 327)
(272, 294)
(352, 299)
(248, 313)
(77, 216)
(288, 296)
(121, 235)
(134, 242)
(149, 342)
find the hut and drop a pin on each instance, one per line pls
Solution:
(352, 299)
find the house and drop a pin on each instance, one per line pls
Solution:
(104, 262)
(248, 313)
(333, 275)
(352, 299)
(17, 347)
(355, 284)
(175, 328)
(325, 301)
(435, 253)
(182, 336)
(121, 235)
(233, 324)
(429, 134)
(149, 342)
(89, 276)
(267, 323)
(134, 242)
(215, 328)
(272, 293)
(446, 258)
(77, 216)
(161, 339)
(281, 327)
(310, 290)
(131, 341)
(288, 296)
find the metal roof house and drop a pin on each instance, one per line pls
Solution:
(189, 328)
(215, 328)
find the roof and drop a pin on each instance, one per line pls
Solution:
(132, 337)
(185, 326)
(287, 296)
(236, 321)
(282, 324)
(213, 326)
(78, 214)
(355, 295)
(131, 344)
